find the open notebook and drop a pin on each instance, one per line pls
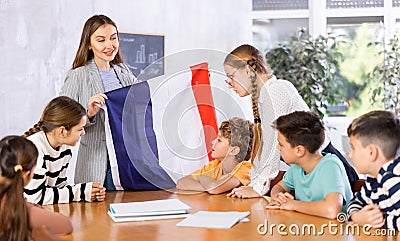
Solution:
(148, 210)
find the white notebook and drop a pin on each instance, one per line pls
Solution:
(145, 218)
(149, 210)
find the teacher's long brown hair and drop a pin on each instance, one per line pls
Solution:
(84, 53)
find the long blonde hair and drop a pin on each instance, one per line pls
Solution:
(251, 56)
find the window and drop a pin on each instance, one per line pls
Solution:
(279, 4)
(359, 59)
(267, 33)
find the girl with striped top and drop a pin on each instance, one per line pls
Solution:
(60, 127)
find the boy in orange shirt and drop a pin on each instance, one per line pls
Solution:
(230, 169)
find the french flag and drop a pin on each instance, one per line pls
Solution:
(159, 130)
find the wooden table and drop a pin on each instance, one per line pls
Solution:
(91, 222)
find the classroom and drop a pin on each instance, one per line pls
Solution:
(224, 107)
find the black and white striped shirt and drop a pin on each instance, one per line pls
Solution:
(49, 182)
(383, 191)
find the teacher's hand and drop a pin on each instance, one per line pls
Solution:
(95, 102)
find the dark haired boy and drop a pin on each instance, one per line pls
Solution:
(375, 140)
(319, 181)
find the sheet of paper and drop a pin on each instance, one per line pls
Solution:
(205, 219)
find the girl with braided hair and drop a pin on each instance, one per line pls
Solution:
(60, 127)
(17, 217)
(249, 74)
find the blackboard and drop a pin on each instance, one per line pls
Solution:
(143, 53)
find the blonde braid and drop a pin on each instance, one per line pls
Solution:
(257, 121)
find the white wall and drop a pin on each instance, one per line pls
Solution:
(39, 39)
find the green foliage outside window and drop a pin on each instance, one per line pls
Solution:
(312, 65)
(385, 77)
(358, 61)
